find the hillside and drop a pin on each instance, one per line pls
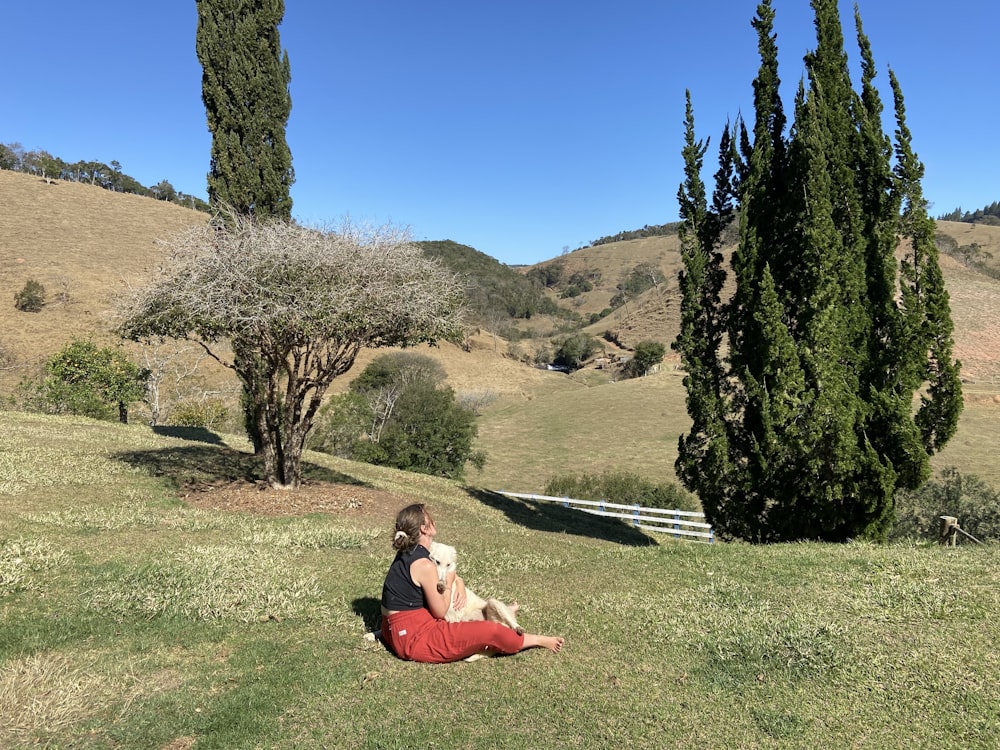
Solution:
(84, 244)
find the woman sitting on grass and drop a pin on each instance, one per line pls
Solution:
(413, 610)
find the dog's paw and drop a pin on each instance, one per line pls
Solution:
(373, 636)
(519, 630)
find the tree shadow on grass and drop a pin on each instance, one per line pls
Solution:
(201, 464)
(195, 434)
(544, 515)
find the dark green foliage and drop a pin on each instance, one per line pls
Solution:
(642, 277)
(495, 291)
(968, 498)
(621, 487)
(340, 424)
(428, 432)
(399, 413)
(804, 428)
(549, 275)
(574, 350)
(31, 298)
(647, 354)
(657, 230)
(84, 379)
(398, 370)
(579, 283)
(987, 215)
(245, 83)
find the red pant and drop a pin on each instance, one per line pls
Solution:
(416, 635)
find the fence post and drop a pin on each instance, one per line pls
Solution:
(948, 532)
(635, 514)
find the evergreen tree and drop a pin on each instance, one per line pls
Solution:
(245, 90)
(804, 428)
(244, 87)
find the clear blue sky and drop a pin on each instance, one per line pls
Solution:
(519, 127)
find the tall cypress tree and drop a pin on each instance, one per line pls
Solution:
(244, 85)
(245, 90)
(805, 429)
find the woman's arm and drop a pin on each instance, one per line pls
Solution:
(425, 574)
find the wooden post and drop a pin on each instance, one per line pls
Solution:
(948, 533)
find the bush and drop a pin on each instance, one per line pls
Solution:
(574, 350)
(622, 487)
(646, 355)
(428, 433)
(398, 413)
(341, 422)
(211, 414)
(83, 379)
(31, 298)
(974, 503)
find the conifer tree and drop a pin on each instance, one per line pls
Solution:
(245, 79)
(245, 90)
(800, 385)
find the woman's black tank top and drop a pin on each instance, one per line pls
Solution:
(400, 593)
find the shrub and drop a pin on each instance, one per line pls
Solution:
(428, 433)
(211, 414)
(400, 414)
(31, 298)
(340, 423)
(574, 350)
(646, 355)
(968, 498)
(83, 379)
(622, 487)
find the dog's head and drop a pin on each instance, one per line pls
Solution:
(446, 559)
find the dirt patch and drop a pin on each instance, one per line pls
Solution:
(341, 500)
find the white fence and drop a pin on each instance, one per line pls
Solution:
(680, 523)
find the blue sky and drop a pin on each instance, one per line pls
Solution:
(521, 127)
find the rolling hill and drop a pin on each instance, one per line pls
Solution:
(85, 244)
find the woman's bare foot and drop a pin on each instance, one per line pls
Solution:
(552, 643)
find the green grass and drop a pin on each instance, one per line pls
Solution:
(128, 619)
(633, 425)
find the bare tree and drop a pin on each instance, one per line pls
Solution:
(296, 305)
(165, 360)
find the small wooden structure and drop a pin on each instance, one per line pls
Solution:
(949, 530)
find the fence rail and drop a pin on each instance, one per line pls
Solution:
(680, 523)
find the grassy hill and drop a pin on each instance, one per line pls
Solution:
(84, 244)
(142, 612)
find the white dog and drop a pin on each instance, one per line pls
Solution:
(476, 608)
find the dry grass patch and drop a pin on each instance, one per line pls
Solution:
(208, 583)
(20, 558)
(48, 694)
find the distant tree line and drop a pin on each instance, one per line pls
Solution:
(15, 158)
(657, 230)
(988, 215)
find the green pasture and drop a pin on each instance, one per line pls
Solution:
(130, 619)
(589, 426)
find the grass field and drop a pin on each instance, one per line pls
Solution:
(133, 614)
